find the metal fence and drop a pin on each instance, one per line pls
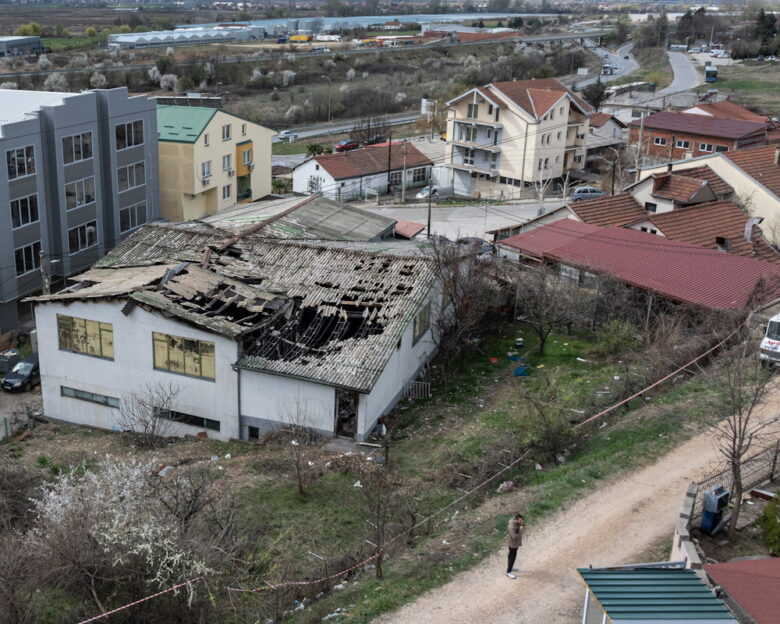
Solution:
(417, 390)
(763, 466)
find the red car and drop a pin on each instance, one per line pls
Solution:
(345, 145)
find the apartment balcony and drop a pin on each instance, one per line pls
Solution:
(488, 147)
(487, 123)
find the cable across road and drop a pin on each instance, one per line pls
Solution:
(465, 495)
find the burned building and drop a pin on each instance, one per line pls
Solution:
(253, 332)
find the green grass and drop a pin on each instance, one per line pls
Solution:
(60, 44)
(654, 67)
(750, 84)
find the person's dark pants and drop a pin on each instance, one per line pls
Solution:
(511, 559)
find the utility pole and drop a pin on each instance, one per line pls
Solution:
(430, 197)
(639, 147)
(45, 283)
(614, 162)
(389, 158)
(403, 178)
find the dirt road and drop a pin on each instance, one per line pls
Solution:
(612, 525)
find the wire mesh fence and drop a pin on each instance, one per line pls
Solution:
(763, 466)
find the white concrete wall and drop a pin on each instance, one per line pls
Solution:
(132, 367)
(304, 171)
(401, 368)
(277, 399)
(642, 192)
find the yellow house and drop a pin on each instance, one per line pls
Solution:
(210, 161)
(507, 135)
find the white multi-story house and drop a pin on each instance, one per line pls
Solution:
(507, 135)
(250, 335)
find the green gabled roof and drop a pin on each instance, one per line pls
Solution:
(183, 124)
(654, 595)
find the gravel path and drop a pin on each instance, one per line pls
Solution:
(612, 525)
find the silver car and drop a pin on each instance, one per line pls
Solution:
(586, 192)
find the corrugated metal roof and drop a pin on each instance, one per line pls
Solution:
(182, 124)
(753, 584)
(674, 269)
(536, 242)
(328, 312)
(654, 595)
(311, 218)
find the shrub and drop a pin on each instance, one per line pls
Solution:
(90, 31)
(98, 81)
(769, 521)
(615, 337)
(168, 81)
(55, 82)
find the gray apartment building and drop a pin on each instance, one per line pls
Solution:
(80, 174)
(20, 46)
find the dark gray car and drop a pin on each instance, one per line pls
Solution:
(23, 376)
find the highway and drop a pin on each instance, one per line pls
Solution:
(625, 66)
(345, 125)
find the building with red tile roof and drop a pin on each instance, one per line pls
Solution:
(348, 175)
(618, 209)
(535, 243)
(670, 135)
(504, 136)
(725, 110)
(753, 584)
(673, 269)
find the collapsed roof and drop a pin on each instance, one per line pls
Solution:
(330, 313)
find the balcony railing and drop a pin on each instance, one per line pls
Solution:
(489, 147)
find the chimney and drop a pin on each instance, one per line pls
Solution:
(777, 155)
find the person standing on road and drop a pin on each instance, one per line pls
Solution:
(514, 541)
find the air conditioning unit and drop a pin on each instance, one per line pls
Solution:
(231, 172)
(251, 166)
(206, 181)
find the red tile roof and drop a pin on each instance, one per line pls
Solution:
(599, 119)
(536, 97)
(674, 269)
(608, 210)
(371, 160)
(729, 110)
(717, 184)
(408, 229)
(759, 162)
(753, 584)
(680, 188)
(701, 125)
(702, 223)
(537, 241)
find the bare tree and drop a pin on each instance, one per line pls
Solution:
(549, 301)
(468, 291)
(146, 411)
(540, 189)
(380, 488)
(741, 384)
(369, 128)
(300, 437)
(546, 421)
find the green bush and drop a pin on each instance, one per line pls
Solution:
(615, 337)
(770, 527)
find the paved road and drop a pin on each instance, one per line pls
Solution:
(685, 74)
(333, 127)
(625, 66)
(613, 524)
(471, 220)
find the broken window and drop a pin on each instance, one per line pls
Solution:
(86, 337)
(184, 355)
(346, 412)
(422, 322)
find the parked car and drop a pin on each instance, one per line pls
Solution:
(345, 145)
(585, 192)
(626, 57)
(377, 138)
(436, 193)
(23, 376)
(8, 360)
(287, 135)
(615, 66)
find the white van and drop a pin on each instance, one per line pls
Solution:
(769, 351)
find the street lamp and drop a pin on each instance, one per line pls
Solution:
(330, 82)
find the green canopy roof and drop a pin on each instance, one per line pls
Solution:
(648, 595)
(183, 124)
